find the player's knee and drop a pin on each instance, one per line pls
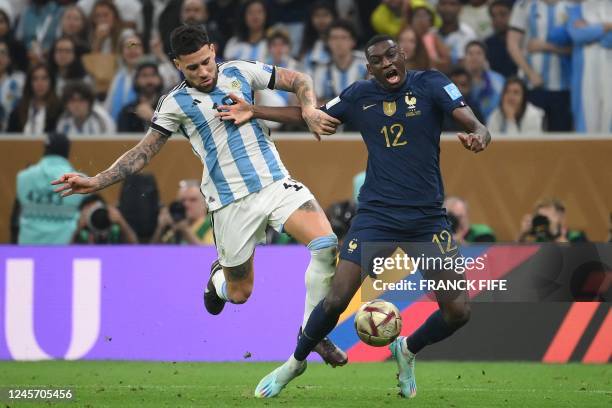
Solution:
(458, 316)
(239, 294)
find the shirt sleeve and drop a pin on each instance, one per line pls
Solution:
(445, 94)
(340, 106)
(259, 75)
(167, 116)
(519, 16)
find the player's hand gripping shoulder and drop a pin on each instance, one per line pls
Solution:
(239, 112)
(301, 84)
(130, 162)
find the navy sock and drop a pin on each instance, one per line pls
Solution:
(319, 325)
(432, 331)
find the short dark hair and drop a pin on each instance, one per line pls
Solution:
(457, 71)
(502, 3)
(187, 39)
(375, 40)
(343, 25)
(478, 43)
(57, 144)
(80, 88)
(91, 198)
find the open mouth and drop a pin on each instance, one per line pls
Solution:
(392, 76)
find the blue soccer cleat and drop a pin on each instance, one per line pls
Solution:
(272, 384)
(405, 365)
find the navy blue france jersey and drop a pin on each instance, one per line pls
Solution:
(402, 132)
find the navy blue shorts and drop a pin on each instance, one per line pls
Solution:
(391, 225)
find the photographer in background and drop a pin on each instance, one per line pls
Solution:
(186, 220)
(463, 231)
(547, 224)
(102, 224)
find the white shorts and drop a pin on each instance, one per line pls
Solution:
(241, 225)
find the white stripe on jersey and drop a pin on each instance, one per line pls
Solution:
(237, 160)
(535, 18)
(330, 81)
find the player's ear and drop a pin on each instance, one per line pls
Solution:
(369, 69)
(176, 63)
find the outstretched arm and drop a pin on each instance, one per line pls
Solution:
(478, 136)
(130, 162)
(302, 85)
(241, 112)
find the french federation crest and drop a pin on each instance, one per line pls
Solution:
(411, 101)
(389, 108)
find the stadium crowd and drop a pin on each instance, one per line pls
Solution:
(97, 67)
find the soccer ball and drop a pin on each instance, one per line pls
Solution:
(378, 323)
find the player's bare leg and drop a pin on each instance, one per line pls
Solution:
(309, 225)
(233, 284)
(322, 321)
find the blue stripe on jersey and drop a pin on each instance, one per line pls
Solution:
(267, 153)
(550, 25)
(191, 110)
(344, 79)
(577, 77)
(238, 151)
(533, 25)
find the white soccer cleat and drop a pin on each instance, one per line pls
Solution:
(272, 384)
(405, 365)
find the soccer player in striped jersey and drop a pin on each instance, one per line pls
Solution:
(244, 182)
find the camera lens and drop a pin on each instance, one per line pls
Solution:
(99, 219)
(177, 211)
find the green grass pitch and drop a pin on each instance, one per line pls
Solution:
(441, 384)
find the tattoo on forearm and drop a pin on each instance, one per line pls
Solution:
(133, 160)
(310, 206)
(298, 83)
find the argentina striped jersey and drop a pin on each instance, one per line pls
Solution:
(237, 160)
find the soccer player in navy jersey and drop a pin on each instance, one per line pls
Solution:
(399, 114)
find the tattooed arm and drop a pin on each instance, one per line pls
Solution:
(130, 162)
(302, 85)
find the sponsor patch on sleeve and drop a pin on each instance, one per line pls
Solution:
(331, 103)
(452, 91)
(267, 68)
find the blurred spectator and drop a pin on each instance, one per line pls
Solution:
(460, 77)
(105, 30)
(540, 61)
(16, 48)
(279, 48)
(139, 204)
(515, 114)
(100, 223)
(186, 220)
(456, 35)
(486, 84)
(81, 114)
(476, 15)
(358, 12)
(340, 216)
(38, 109)
(548, 224)
(130, 11)
(65, 63)
(415, 53)
(387, 18)
(497, 52)
(11, 85)
(167, 16)
(223, 13)
(44, 216)
(463, 230)
(195, 12)
(588, 27)
(249, 43)
(313, 50)
(290, 15)
(148, 85)
(74, 25)
(346, 65)
(422, 21)
(37, 27)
